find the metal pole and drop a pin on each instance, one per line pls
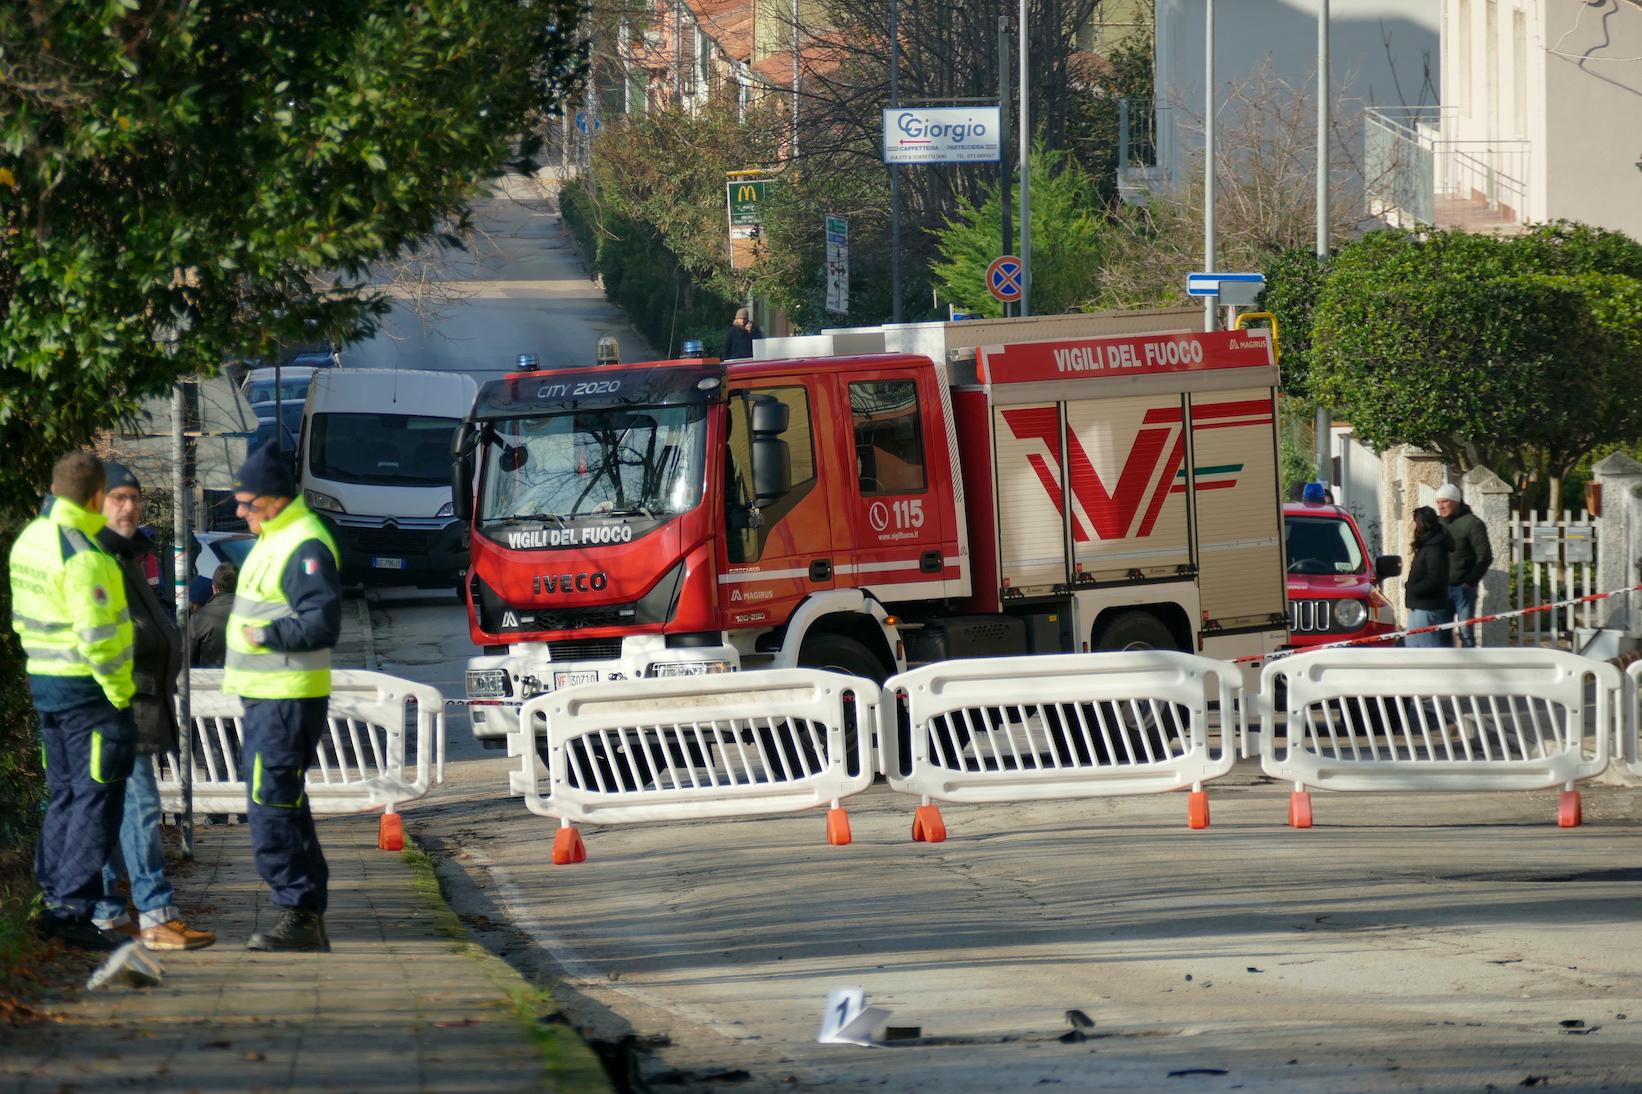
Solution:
(894, 168)
(279, 411)
(181, 494)
(1211, 304)
(1325, 420)
(1006, 209)
(1026, 173)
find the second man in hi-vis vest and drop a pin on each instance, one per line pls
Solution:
(287, 615)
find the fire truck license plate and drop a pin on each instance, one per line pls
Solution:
(571, 679)
(388, 563)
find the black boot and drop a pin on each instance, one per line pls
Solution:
(296, 931)
(82, 934)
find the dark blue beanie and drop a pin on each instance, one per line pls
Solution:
(266, 474)
(118, 475)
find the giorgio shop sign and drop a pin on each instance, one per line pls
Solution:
(941, 134)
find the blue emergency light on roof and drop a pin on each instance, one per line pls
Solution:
(1314, 493)
(693, 348)
(529, 362)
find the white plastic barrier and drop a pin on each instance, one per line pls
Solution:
(1060, 726)
(688, 748)
(376, 754)
(1444, 720)
(1628, 746)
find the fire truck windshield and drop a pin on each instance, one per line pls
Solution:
(628, 461)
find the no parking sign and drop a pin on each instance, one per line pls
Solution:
(1004, 278)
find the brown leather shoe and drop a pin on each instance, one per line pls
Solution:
(176, 935)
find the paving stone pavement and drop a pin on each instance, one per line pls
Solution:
(396, 1005)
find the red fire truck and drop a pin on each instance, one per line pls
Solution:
(862, 511)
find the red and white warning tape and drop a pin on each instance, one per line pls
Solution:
(1390, 636)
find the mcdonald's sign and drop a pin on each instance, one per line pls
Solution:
(744, 197)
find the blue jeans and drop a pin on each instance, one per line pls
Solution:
(1427, 617)
(139, 855)
(1464, 600)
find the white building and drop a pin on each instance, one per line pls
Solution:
(1541, 119)
(1381, 52)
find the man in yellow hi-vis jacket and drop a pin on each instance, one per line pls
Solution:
(68, 607)
(287, 615)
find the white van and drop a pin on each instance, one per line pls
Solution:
(375, 466)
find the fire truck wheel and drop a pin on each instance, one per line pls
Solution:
(835, 653)
(1135, 631)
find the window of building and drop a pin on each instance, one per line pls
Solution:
(889, 441)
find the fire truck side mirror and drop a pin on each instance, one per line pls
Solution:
(770, 417)
(772, 469)
(463, 442)
(771, 458)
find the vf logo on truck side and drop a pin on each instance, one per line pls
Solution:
(1151, 471)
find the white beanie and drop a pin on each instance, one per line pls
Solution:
(1449, 492)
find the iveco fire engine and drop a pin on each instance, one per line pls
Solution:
(969, 489)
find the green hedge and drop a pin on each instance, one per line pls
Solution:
(642, 277)
(22, 790)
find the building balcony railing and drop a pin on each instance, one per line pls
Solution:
(1416, 173)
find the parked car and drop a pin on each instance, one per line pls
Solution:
(1333, 590)
(260, 392)
(215, 548)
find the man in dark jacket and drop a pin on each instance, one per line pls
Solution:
(738, 340)
(1472, 556)
(156, 661)
(208, 633)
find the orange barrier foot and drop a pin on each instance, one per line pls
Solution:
(838, 827)
(1300, 809)
(927, 825)
(390, 833)
(568, 847)
(1568, 813)
(1197, 809)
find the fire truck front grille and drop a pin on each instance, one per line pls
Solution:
(584, 649)
(1311, 616)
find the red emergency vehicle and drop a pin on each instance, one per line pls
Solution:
(1333, 582)
(862, 511)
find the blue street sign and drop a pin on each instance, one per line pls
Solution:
(1208, 284)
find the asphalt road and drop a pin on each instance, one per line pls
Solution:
(1405, 943)
(521, 288)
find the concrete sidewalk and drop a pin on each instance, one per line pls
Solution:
(402, 1002)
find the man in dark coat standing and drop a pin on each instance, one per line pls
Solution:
(156, 662)
(738, 340)
(208, 633)
(1471, 557)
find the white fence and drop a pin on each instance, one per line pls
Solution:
(688, 748)
(1443, 720)
(1064, 726)
(384, 746)
(1552, 560)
